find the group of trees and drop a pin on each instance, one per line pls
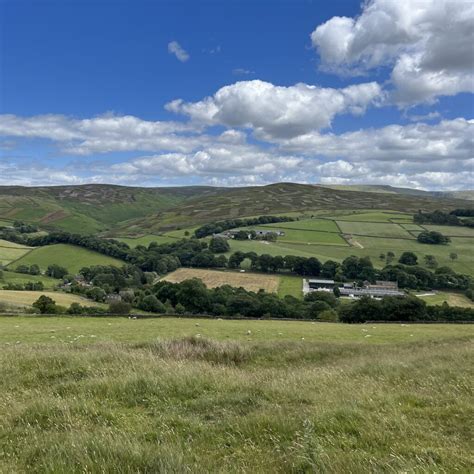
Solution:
(408, 309)
(28, 286)
(445, 218)
(28, 269)
(221, 226)
(432, 237)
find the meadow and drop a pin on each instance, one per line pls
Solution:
(453, 299)
(69, 256)
(118, 395)
(9, 251)
(21, 278)
(27, 298)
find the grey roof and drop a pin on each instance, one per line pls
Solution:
(323, 282)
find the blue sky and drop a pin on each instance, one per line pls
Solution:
(307, 91)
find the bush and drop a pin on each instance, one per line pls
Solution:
(408, 258)
(45, 305)
(119, 307)
(219, 245)
(432, 237)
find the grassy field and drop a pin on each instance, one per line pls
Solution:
(374, 229)
(214, 278)
(307, 236)
(453, 299)
(268, 401)
(10, 251)
(451, 230)
(27, 298)
(290, 285)
(69, 256)
(325, 225)
(21, 278)
(372, 247)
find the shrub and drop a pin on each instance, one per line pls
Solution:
(119, 307)
(45, 305)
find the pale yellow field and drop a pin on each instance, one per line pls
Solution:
(213, 278)
(27, 298)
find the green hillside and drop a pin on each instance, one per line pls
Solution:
(281, 198)
(130, 211)
(69, 256)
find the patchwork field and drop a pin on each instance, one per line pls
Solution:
(69, 256)
(27, 298)
(380, 233)
(10, 251)
(246, 396)
(214, 278)
(324, 225)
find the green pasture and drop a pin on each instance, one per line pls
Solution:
(69, 256)
(374, 229)
(290, 285)
(372, 216)
(20, 278)
(10, 251)
(325, 225)
(453, 299)
(451, 230)
(36, 329)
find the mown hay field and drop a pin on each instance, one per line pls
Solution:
(119, 395)
(214, 278)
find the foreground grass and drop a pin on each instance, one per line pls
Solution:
(337, 404)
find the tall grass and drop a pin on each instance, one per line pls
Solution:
(197, 405)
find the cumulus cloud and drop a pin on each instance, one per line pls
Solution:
(427, 44)
(102, 134)
(436, 156)
(277, 111)
(175, 48)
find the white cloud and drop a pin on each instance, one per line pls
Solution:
(103, 134)
(436, 156)
(175, 48)
(277, 111)
(427, 43)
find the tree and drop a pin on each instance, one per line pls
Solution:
(382, 256)
(219, 245)
(119, 307)
(453, 256)
(408, 258)
(45, 305)
(152, 304)
(35, 269)
(432, 237)
(430, 261)
(390, 257)
(56, 271)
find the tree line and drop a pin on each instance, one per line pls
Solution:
(227, 224)
(445, 218)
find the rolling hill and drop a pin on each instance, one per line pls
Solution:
(123, 210)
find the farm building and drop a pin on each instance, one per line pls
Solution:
(377, 290)
(320, 285)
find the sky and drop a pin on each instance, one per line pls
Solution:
(233, 93)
